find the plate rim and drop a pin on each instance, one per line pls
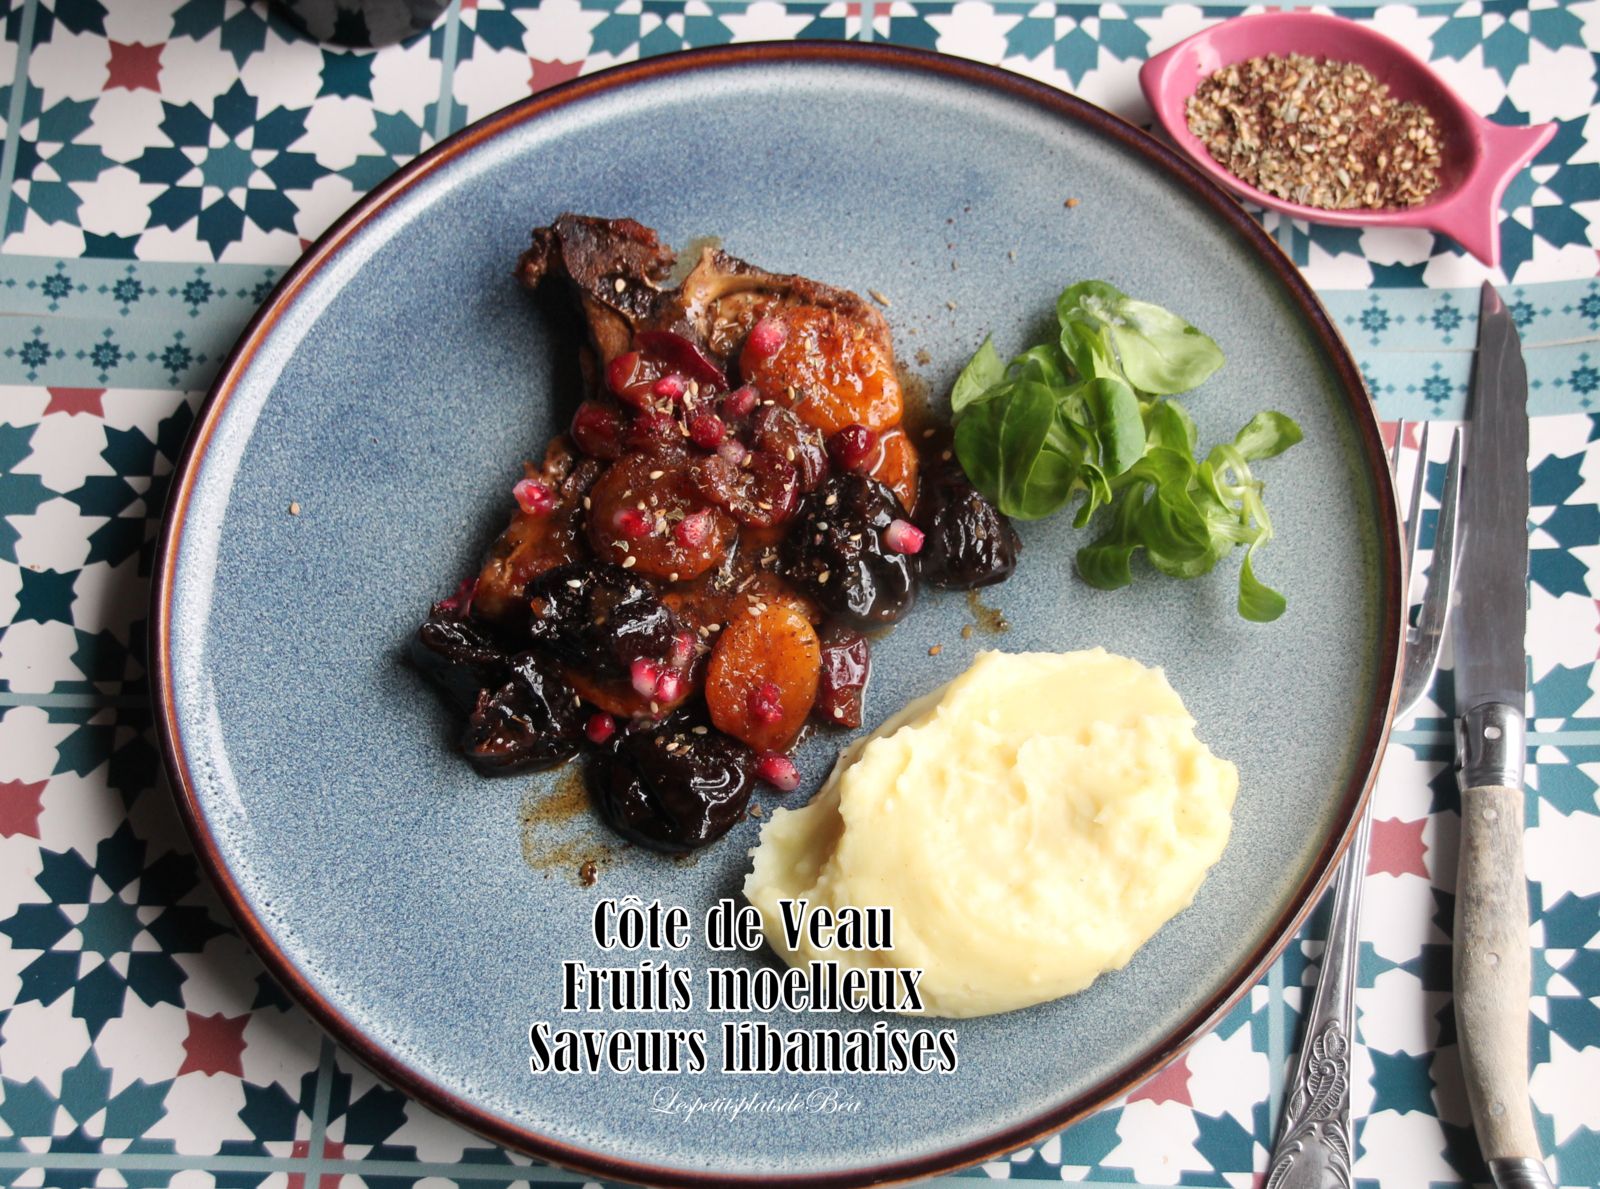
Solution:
(415, 1081)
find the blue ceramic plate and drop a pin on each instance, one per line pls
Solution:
(398, 376)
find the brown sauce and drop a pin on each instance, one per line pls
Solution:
(991, 621)
(552, 822)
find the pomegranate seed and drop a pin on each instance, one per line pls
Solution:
(740, 402)
(644, 675)
(669, 687)
(903, 537)
(778, 771)
(851, 448)
(706, 431)
(766, 702)
(597, 429)
(621, 370)
(669, 387)
(734, 451)
(600, 727)
(458, 605)
(633, 524)
(692, 532)
(683, 650)
(767, 336)
(533, 497)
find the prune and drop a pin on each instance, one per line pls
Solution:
(969, 542)
(533, 720)
(837, 554)
(600, 618)
(846, 668)
(458, 657)
(670, 788)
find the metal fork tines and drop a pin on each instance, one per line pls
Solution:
(1315, 1139)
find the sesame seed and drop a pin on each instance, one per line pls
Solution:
(699, 730)
(294, 508)
(575, 583)
(657, 474)
(949, 305)
(880, 298)
(830, 501)
(629, 562)
(822, 578)
(936, 650)
(619, 284)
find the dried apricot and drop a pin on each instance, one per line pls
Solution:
(763, 677)
(645, 508)
(831, 369)
(894, 464)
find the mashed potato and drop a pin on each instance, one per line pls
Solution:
(1031, 824)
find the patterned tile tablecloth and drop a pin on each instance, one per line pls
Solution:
(165, 160)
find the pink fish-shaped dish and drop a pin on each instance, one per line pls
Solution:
(1478, 158)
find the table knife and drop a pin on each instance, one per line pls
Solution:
(1491, 961)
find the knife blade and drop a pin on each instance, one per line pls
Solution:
(1492, 596)
(1490, 957)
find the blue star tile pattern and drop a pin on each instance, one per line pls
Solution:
(216, 186)
(243, 28)
(89, 954)
(74, 16)
(51, 159)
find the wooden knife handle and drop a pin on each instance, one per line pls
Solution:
(1492, 971)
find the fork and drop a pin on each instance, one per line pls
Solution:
(1315, 1147)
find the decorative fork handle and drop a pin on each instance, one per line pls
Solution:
(1315, 1143)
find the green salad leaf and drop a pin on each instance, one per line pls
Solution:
(1103, 330)
(1091, 417)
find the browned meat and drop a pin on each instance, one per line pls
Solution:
(619, 268)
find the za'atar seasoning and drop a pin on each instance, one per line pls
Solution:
(1317, 132)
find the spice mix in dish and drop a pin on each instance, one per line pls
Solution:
(1317, 132)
